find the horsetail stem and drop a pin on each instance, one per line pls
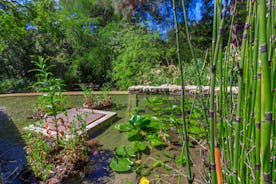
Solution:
(184, 123)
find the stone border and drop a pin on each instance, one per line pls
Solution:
(108, 116)
(175, 90)
(64, 93)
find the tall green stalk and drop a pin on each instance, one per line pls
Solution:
(184, 123)
(239, 114)
(199, 83)
(212, 110)
(266, 96)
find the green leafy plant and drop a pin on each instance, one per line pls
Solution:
(143, 131)
(88, 98)
(52, 100)
(38, 152)
(96, 101)
(64, 155)
(48, 162)
(153, 130)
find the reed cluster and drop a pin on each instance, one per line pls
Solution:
(242, 131)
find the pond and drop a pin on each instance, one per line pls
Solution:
(13, 117)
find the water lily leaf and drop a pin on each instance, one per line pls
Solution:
(125, 150)
(139, 146)
(139, 121)
(133, 135)
(154, 141)
(134, 118)
(120, 151)
(143, 123)
(156, 125)
(123, 127)
(121, 164)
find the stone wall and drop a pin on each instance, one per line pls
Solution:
(175, 90)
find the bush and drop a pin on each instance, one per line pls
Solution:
(137, 52)
(14, 85)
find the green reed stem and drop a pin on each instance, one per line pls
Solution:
(212, 110)
(266, 96)
(199, 83)
(184, 124)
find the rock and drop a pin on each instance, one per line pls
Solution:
(53, 181)
(92, 143)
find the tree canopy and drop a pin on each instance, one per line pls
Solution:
(89, 41)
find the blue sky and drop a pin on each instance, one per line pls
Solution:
(162, 23)
(165, 12)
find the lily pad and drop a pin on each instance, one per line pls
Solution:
(133, 135)
(154, 141)
(125, 150)
(123, 127)
(121, 164)
(141, 146)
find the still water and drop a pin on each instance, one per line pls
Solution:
(13, 117)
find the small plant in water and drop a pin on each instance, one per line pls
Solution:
(52, 101)
(55, 160)
(96, 101)
(88, 97)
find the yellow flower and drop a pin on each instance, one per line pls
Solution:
(144, 180)
(138, 162)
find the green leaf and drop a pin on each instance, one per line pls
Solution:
(154, 141)
(155, 125)
(129, 182)
(133, 119)
(157, 163)
(121, 164)
(134, 135)
(123, 127)
(141, 146)
(181, 160)
(125, 150)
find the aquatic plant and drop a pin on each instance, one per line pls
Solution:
(88, 97)
(242, 128)
(52, 100)
(153, 131)
(184, 122)
(58, 158)
(249, 146)
(49, 163)
(96, 101)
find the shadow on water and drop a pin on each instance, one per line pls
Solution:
(101, 172)
(102, 129)
(12, 154)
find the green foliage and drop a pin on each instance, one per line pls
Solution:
(96, 101)
(47, 161)
(121, 164)
(88, 42)
(14, 85)
(153, 130)
(38, 152)
(88, 97)
(53, 100)
(143, 128)
(137, 52)
(181, 160)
